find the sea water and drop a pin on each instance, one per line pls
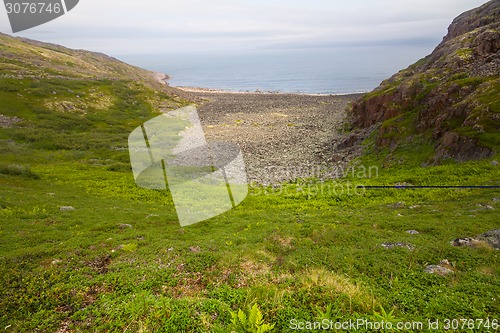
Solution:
(339, 70)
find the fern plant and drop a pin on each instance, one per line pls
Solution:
(328, 314)
(384, 315)
(253, 323)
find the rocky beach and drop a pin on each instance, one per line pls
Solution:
(283, 136)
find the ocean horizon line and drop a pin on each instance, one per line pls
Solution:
(324, 72)
(262, 91)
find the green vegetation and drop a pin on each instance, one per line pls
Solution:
(253, 323)
(307, 250)
(385, 88)
(295, 251)
(17, 170)
(465, 54)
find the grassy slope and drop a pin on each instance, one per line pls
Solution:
(296, 252)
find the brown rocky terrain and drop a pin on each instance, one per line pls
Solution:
(283, 136)
(450, 99)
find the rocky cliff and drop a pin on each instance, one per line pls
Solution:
(449, 100)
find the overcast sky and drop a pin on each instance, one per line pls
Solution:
(120, 27)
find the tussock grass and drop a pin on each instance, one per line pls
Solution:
(18, 170)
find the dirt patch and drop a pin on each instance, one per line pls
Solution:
(253, 268)
(100, 264)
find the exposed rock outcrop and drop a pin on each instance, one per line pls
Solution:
(489, 239)
(451, 98)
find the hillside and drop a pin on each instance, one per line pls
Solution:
(23, 58)
(58, 99)
(84, 249)
(447, 105)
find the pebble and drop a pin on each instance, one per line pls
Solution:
(263, 131)
(399, 204)
(465, 241)
(194, 249)
(437, 269)
(390, 245)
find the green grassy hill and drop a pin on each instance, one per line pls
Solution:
(73, 104)
(307, 251)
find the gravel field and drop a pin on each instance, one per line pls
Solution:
(283, 136)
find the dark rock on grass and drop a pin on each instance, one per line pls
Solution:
(56, 261)
(390, 245)
(7, 122)
(491, 237)
(465, 241)
(194, 249)
(437, 269)
(399, 204)
(485, 207)
(460, 148)
(99, 264)
(444, 268)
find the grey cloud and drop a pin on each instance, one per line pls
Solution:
(195, 24)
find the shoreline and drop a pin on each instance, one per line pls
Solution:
(163, 79)
(283, 135)
(201, 90)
